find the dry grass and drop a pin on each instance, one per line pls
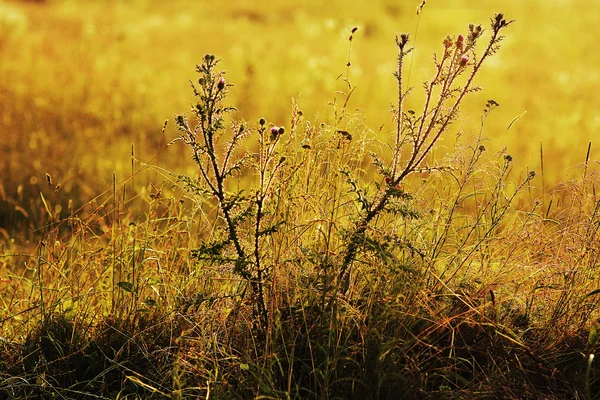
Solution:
(327, 264)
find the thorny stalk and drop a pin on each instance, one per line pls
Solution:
(428, 134)
(216, 165)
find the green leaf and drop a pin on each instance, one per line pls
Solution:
(126, 286)
(150, 302)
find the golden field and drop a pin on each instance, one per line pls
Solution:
(103, 75)
(154, 246)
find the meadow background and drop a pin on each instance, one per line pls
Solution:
(83, 81)
(479, 281)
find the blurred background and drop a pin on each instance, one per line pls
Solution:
(81, 81)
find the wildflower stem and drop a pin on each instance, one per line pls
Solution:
(419, 153)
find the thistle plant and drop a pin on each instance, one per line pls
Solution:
(214, 152)
(418, 133)
(246, 222)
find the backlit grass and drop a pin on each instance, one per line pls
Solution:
(337, 235)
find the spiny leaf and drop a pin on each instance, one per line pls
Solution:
(126, 286)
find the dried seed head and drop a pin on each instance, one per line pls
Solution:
(491, 103)
(262, 121)
(508, 158)
(281, 130)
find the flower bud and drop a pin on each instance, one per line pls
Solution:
(460, 40)
(447, 42)
(463, 60)
(402, 40)
(221, 84)
(262, 121)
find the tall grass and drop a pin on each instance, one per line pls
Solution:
(306, 259)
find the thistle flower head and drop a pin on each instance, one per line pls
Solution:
(447, 42)
(463, 60)
(221, 84)
(474, 32)
(402, 40)
(460, 40)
